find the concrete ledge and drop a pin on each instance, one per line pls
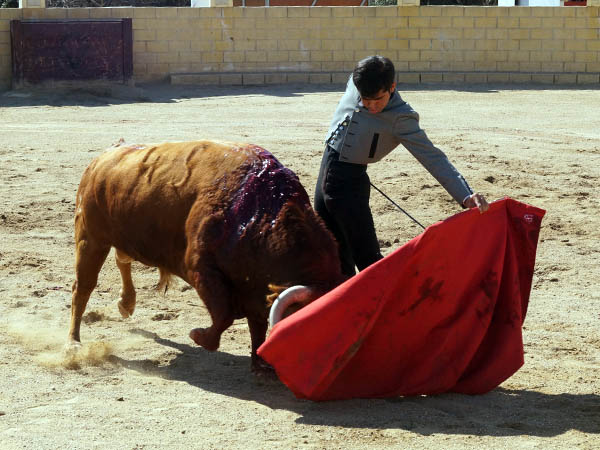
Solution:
(255, 78)
(230, 79)
(262, 78)
(588, 78)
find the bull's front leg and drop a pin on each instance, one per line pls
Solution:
(214, 290)
(258, 332)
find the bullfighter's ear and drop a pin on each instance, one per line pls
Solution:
(275, 291)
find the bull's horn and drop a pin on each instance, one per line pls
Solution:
(294, 294)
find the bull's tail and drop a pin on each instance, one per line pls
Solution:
(165, 280)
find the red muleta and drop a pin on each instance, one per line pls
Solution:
(443, 313)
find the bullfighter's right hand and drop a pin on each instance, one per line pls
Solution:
(477, 200)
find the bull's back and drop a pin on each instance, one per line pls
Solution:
(179, 168)
(138, 198)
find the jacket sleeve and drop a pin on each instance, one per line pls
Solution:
(407, 130)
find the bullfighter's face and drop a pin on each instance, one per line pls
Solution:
(377, 102)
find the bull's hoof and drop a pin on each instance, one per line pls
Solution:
(71, 348)
(205, 339)
(126, 312)
(262, 368)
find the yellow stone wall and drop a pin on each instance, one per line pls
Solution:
(322, 44)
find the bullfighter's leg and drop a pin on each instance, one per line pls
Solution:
(89, 258)
(127, 302)
(213, 288)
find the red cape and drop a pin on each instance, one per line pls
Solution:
(443, 313)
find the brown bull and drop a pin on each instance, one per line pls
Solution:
(228, 219)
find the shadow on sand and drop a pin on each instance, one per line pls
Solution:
(501, 412)
(107, 95)
(114, 94)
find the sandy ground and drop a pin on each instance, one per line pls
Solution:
(141, 383)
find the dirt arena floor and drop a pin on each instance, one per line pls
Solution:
(141, 383)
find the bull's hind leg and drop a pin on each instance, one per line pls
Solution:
(89, 257)
(127, 301)
(213, 288)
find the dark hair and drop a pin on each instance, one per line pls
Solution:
(373, 74)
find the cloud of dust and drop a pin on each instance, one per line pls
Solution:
(89, 354)
(47, 345)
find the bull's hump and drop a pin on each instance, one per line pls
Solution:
(266, 186)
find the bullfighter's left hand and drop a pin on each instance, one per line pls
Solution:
(477, 200)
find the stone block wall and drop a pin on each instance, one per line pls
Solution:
(321, 44)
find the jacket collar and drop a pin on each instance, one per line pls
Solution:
(395, 100)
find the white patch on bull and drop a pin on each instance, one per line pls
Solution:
(119, 143)
(79, 209)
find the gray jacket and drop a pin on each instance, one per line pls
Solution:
(362, 138)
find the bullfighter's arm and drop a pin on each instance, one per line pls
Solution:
(407, 130)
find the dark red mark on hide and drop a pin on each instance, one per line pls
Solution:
(515, 320)
(489, 285)
(485, 312)
(428, 290)
(267, 186)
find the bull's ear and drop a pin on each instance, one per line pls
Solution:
(293, 216)
(294, 211)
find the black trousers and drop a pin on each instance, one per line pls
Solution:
(342, 201)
